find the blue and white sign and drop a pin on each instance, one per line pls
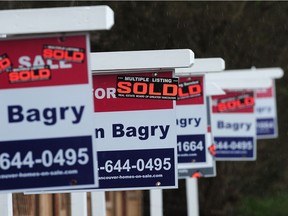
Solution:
(233, 124)
(266, 113)
(191, 120)
(46, 131)
(136, 137)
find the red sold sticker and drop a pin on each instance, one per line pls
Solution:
(25, 63)
(5, 63)
(29, 75)
(189, 89)
(63, 53)
(105, 99)
(234, 102)
(147, 87)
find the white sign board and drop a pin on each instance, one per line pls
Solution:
(233, 123)
(191, 120)
(149, 128)
(266, 113)
(45, 123)
(135, 136)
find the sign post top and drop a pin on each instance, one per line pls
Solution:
(202, 65)
(213, 89)
(241, 83)
(247, 74)
(245, 79)
(139, 60)
(54, 20)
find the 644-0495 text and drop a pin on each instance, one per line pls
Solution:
(234, 145)
(152, 164)
(69, 157)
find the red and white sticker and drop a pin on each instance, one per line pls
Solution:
(147, 87)
(66, 63)
(105, 99)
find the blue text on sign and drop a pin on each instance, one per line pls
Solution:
(142, 132)
(49, 115)
(184, 122)
(235, 126)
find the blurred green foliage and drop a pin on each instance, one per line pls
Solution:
(264, 206)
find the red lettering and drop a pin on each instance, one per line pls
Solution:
(44, 73)
(231, 104)
(4, 64)
(234, 104)
(78, 56)
(34, 75)
(249, 101)
(29, 75)
(47, 53)
(167, 89)
(124, 87)
(13, 76)
(69, 55)
(140, 88)
(221, 107)
(59, 54)
(24, 75)
(152, 90)
(181, 94)
(194, 89)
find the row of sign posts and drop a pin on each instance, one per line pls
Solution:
(148, 123)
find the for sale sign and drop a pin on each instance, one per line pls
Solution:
(136, 137)
(45, 120)
(233, 124)
(266, 113)
(191, 120)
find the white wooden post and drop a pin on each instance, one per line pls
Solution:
(200, 66)
(156, 202)
(62, 19)
(98, 203)
(192, 196)
(79, 204)
(6, 204)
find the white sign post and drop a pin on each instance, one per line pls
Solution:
(123, 117)
(197, 167)
(105, 66)
(6, 207)
(98, 203)
(121, 61)
(200, 66)
(194, 157)
(79, 204)
(156, 202)
(192, 196)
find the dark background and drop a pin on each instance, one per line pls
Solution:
(244, 34)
